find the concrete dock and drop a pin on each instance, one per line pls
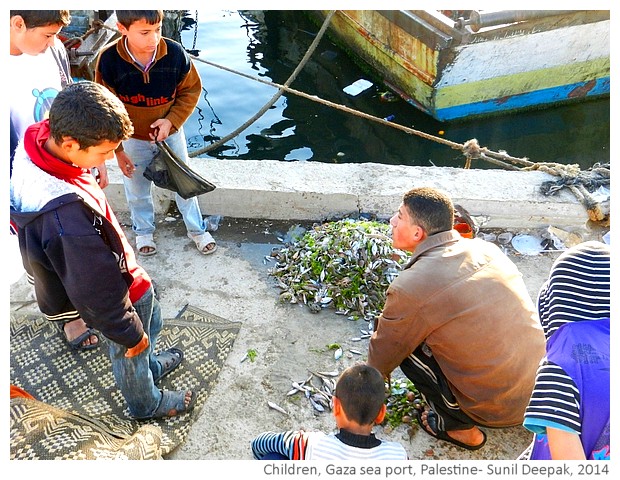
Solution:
(290, 341)
(266, 189)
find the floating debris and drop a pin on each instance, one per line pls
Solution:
(357, 87)
(346, 265)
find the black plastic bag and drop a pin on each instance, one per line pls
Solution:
(168, 171)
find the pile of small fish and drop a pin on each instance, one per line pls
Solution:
(346, 265)
(320, 397)
(401, 401)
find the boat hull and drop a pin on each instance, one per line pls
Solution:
(456, 74)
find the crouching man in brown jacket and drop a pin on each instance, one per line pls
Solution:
(459, 322)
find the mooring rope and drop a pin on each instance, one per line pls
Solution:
(580, 183)
(471, 149)
(571, 175)
(278, 94)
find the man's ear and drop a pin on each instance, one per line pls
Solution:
(381, 415)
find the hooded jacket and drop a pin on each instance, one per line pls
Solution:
(572, 386)
(72, 245)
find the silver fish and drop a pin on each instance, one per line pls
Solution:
(277, 407)
(333, 373)
(317, 406)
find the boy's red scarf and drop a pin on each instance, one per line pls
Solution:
(34, 143)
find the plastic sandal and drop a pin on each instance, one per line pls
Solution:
(146, 241)
(202, 241)
(169, 360)
(76, 343)
(173, 403)
(431, 420)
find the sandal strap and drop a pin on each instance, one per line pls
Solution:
(173, 403)
(202, 240)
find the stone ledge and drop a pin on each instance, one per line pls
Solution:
(269, 189)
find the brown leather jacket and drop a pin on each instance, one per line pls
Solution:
(468, 302)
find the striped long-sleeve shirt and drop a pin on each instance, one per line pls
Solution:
(301, 445)
(571, 390)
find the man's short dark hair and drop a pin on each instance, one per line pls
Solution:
(430, 209)
(127, 17)
(361, 391)
(90, 114)
(43, 18)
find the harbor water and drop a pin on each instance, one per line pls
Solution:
(270, 44)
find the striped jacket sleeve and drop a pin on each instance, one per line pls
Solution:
(555, 401)
(291, 444)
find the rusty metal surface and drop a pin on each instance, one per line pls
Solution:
(418, 55)
(402, 59)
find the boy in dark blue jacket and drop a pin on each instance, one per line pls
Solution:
(73, 246)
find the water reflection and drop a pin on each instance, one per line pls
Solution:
(270, 45)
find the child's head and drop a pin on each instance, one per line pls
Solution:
(141, 28)
(578, 287)
(128, 17)
(361, 393)
(84, 115)
(33, 31)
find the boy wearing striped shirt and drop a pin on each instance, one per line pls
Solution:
(358, 405)
(569, 406)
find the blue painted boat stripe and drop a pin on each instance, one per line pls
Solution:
(525, 100)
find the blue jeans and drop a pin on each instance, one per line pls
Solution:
(138, 187)
(134, 376)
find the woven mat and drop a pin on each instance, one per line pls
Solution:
(80, 413)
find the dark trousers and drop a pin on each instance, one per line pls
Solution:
(424, 372)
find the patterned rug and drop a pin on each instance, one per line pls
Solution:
(80, 413)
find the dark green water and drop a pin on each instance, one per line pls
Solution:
(270, 45)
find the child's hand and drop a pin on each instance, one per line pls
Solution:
(139, 348)
(125, 164)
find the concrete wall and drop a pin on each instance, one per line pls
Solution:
(314, 191)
